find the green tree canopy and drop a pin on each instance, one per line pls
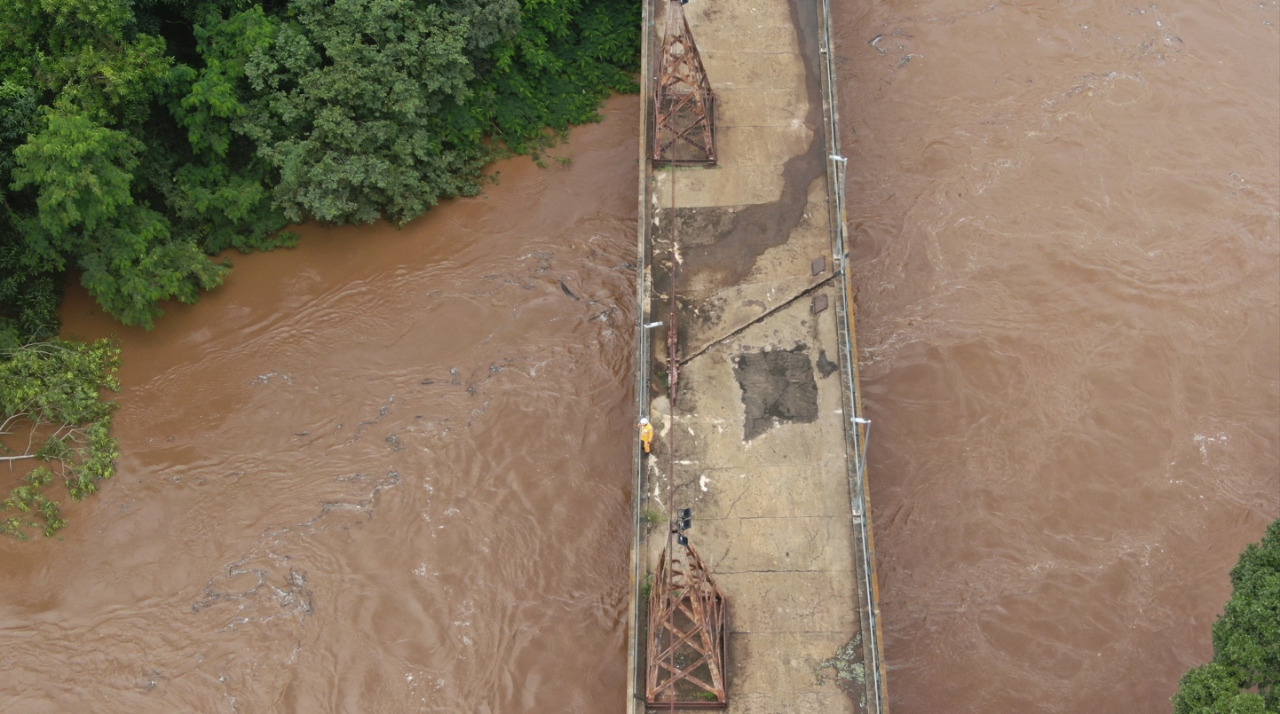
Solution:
(1244, 676)
(52, 415)
(220, 187)
(28, 299)
(140, 137)
(136, 134)
(353, 107)
(88, 53)
(82, 175)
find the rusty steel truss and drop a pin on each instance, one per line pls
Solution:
(684, 105)
(688, 622)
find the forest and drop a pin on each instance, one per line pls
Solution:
(142, 139)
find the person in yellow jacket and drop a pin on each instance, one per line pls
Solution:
(646, 434)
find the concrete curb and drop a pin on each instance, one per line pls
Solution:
(837, 170)
(635, 609)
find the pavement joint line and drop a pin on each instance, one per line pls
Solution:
(786, 125)
(746, 467)
(713, 469)
(747, 53)
(726, 166)
(803, 279)
(781, 572)
(756, 321)
(788, 632)
(763, 518)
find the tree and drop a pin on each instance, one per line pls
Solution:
(52, 414)
(82, 172)
(138, 136)
(219, 188)
(82, 175)
(567, 56)
(87, 52)
(1212, 689)
(132, 131)
(1246, 641)
(352, 108)
(28, 298)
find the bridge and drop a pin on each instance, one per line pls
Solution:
(753, 563)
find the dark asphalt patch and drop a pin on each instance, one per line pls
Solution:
(777, 386)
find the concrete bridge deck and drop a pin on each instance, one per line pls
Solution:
(764, 442)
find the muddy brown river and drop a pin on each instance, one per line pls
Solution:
(388, 471)
(1067, 249)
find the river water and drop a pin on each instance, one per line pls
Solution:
(1067, 252)
(388, 470)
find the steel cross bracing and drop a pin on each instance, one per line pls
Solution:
(688, 615)
(687, 628)
(684, 105)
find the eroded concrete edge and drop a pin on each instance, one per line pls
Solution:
(860, 494)
(635, 611)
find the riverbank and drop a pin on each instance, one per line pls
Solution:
(760, 435)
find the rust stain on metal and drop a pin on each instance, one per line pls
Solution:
(688, 622)
(684, 105)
